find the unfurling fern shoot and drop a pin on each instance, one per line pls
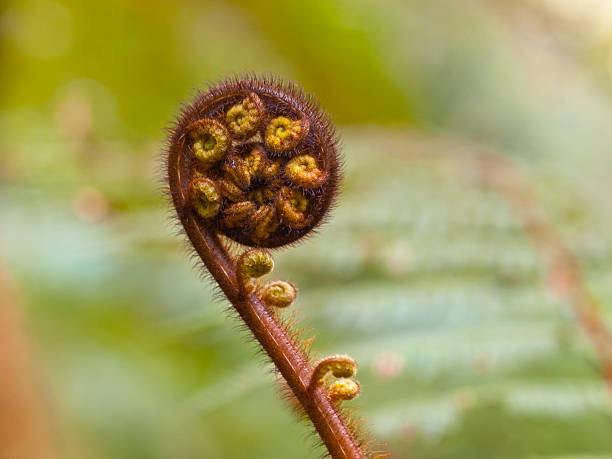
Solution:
(255, 161)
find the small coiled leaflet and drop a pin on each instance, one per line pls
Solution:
(256, 161)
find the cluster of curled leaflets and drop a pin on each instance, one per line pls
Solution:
(260, 165)
(255, 161)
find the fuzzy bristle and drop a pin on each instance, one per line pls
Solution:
(254, 163)
(283, 125)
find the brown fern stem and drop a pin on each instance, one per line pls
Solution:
(505, 178)
(564, 271)
(290, 361)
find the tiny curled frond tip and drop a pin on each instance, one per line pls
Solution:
(253, 164)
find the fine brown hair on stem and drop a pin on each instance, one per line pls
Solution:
(254, 160)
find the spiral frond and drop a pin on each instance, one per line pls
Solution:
(243, 119)
(341, 366)
(262, 142)
(254, 161)
(204, 197)
(238, 172)
(283, 134)
(343, 389)
(263, 222)
(253, 264)
(304, 171)
(279, 294)
(292, 206)
(209, 140)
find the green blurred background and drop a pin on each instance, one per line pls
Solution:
(425, 275)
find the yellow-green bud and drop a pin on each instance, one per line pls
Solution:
(304, 171)
(279, 294)
(253, 264)
(244, 119)
(210, 140)
(291, 207)
(205, 197)
(283, 134)
(343, 389)
(341, 366)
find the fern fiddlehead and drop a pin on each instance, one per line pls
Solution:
(255, 161)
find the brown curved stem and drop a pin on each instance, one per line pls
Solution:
(271, 335)
(564, 271)
(511, 183)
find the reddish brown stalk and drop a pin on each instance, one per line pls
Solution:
(290, 361)
(255, 160)
(502, 176)
(563, 269)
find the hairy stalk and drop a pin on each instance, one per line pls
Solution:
(255, 160)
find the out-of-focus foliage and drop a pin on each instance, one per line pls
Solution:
(425, 276)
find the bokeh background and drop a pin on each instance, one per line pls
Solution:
(473, 226)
